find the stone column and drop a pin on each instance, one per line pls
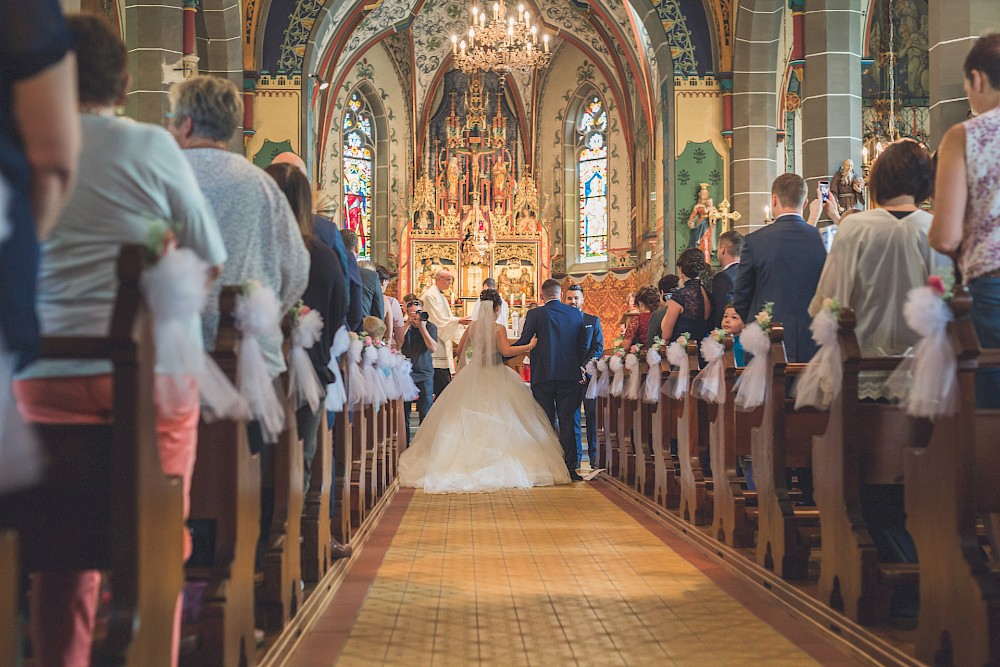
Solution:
(154, 39)
(953, 27)
(831, 99)
(755, 109)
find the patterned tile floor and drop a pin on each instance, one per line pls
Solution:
(556, 576)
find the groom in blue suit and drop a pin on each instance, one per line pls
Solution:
(556, 365)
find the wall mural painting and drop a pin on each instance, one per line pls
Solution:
(698, 187)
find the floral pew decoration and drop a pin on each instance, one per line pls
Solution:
(925, 380)
(258, 315)
(677, 355)
(591, 370)
(710, 384)
(634, 381)
(653, 385)
(336, 391)
(304, 386)
(616, 366)
(752, 385)
(821, 381)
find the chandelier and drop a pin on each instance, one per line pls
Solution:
(500, 44)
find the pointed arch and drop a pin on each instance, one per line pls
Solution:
(364, 167)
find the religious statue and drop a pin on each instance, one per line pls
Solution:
(526, 222)
(725, 220)
(454, 177)
(700, 223)
(426, 276)
(847, 188)
(425, 221)
(499, 177)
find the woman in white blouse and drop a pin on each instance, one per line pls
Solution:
(879, 255)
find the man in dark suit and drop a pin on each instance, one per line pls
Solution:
(782, 263)
(356, 311)
(372, 299)
(595, 350)
(730, 247)
(555, 365)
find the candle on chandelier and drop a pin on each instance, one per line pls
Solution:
(864, 156)
(461, 46)
(482, 20)
(472, 38)
(534, 34)
(520, 12)
(496, 10)
(454, 45)
(510, 36)
(475, 13)
(545, 42)
(527, 18)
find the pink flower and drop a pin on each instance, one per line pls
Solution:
(304, 310)
(936, 284)
(634, 349)
(619, 353)
(368, 340)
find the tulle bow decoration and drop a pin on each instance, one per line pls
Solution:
(821, 381)
(710, 384)
(258, 315)
(677, 356)
(408, 390)
(616, 365)
(175, 289)
(376, 391)
(604, 381)
(634, 382)
(384, 365)
(652, 385)
(752, 385)
(336, 393)
(304, 385)
(927, 380)
(591, 370)
(358, 383)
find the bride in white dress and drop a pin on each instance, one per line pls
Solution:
(485, 431)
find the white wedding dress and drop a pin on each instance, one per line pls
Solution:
(485, 431)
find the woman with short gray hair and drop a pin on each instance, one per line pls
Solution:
(209, 106)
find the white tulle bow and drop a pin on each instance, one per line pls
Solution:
(591, 370)
(408, 389)
(653, 384)
(927, 381)
(634, 377)
(604, 381)
(617, 367)
(821, 381)
(175, 289)
(751, 388)
(357, 382)
(384, 366)
(677, 356)
(710, 384)
(303, 382)
(336, 393)
(258, 315)
(376, 390)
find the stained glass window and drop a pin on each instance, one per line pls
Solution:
(592, 173)
(359, 170)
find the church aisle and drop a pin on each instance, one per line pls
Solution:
(554, 576)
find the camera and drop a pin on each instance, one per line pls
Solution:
(424, 316)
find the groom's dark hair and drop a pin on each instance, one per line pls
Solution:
(551, 288)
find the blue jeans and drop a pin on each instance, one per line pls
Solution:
(986, 318)
(423, 402)
(561, 403)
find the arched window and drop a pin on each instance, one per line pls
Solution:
(359, 171)
(592, 176)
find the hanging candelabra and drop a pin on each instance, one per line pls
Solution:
(500, 44)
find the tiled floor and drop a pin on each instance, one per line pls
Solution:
(554, 576)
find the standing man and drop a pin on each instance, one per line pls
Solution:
(372, 299)
(449, 327)
(730, 248)
(782, 263)
(419, 345)
(503, 318)
(595, 350)
(555, 366)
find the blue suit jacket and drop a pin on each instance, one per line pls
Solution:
(595, 337)
(722, 292)
(328, 232)
(562, 342)
(782, 263)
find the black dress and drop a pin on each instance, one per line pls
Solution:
(692, 318)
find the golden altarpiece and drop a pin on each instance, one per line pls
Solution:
(470, 213)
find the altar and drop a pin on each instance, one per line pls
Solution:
(475, 209)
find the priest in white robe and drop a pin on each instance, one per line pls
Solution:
(449, 327)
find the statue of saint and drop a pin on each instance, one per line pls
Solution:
(499, 178)
(526, 223)
(700, 223)
(454, 176)
(847, 188)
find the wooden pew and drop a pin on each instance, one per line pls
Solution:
(663, 428)
(958, 477)
(225, 493)
(782, 440)
(692, 440)
(104, 502)
(316, 526)
(863, 444)
(359, 469)
(626, 445)
(341, 527)
(610, 406)
(601, 434)
(642, 428)
(281, 595)
(729, 437)
(10, 593)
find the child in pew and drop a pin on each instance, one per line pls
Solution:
(732, 324)
(374, 326)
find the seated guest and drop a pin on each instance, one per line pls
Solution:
(879, 255)
(419, 346)
(372, 302)
(374, 326)
(647, 299)
(689, 308)
(395, 322)
(326, 293)
(134, 184)
(666, 285)
(732, 324)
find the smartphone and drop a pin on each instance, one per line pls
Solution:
(824, 190)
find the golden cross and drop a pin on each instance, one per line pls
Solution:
(721, 214)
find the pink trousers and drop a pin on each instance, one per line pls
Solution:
(63, 605)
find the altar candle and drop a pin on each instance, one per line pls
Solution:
(864, 156)
(767, 213)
